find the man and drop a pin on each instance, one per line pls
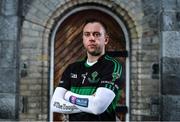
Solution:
(88, 89)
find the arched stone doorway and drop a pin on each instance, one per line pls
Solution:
(40, 24)
(67, 44)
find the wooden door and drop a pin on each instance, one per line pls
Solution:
(69, 47)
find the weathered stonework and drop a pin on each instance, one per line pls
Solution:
(8, 24)
(170, 110)
(9, 7)
(8, 54)
(171, 39)
(8, 107)
(9, 35)
(170, 60)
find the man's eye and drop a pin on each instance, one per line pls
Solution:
(86, 34)
(96, 34)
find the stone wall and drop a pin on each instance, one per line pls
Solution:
(170, 35)
(9, 59)
(34, 98)
(145, 62)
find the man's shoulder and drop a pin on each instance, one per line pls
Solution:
(110, 60)
(112, 65)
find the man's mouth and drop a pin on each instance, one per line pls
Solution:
(92, 45)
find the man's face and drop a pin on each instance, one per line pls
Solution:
(94, 38)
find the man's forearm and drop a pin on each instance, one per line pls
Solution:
(95, 104)
(58, 104)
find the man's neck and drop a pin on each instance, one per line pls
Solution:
(91, 58)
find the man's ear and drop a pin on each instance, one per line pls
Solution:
(106, 39)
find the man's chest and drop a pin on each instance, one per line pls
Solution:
(85, 77)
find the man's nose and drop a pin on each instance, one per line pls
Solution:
(92, 40)
(91, 37)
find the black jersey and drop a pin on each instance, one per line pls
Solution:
(83, 79)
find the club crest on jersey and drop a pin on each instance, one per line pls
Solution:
(83, 75)
(115, 76)
(73, 75)
(94, 77)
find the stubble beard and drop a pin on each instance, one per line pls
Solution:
(96, 52)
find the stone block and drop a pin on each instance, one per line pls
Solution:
(170, 105)
(169, 5)
(178, 3)
(8, 80)
(9, 7)
(155, 105)
(170, 76)
(8, 28)
(7, 54)
(149, 118)
(171, 44)
(171, 66)
(26, 6)
(169, 21)
(42, 117)
(150, 6)
(8, 108)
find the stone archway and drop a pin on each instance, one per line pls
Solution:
(37, 26)
(68, 46)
